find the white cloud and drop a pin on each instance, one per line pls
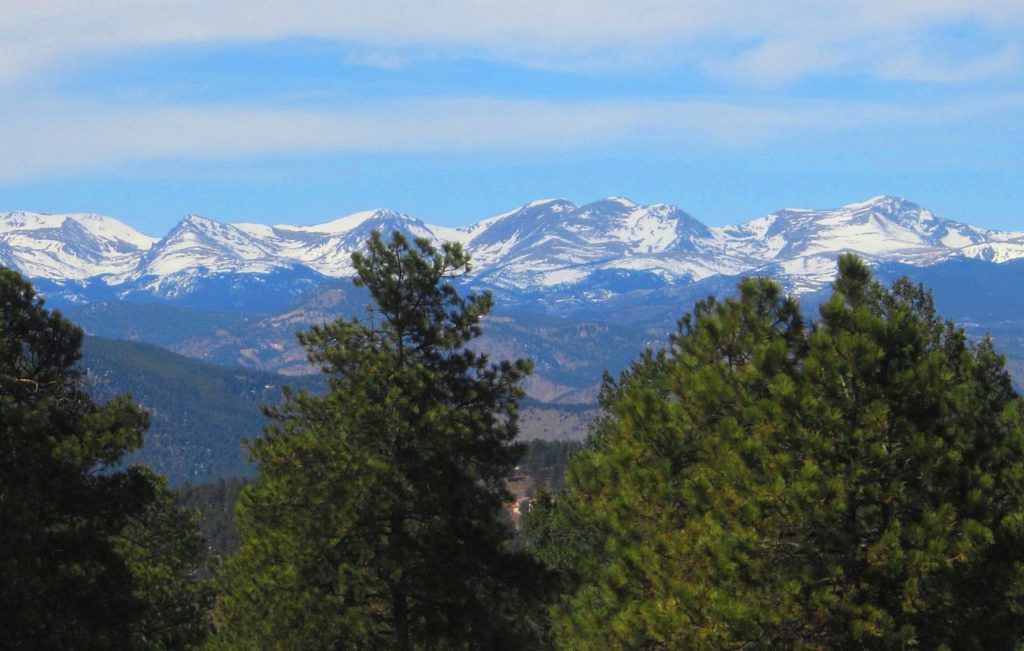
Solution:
(754, 42)
(765, 42)
(915, 66)
(52, 137)
(783, 60)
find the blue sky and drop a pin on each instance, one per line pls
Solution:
(303, 111)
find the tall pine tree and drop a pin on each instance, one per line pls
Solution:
(855, 484)
(93, 555)
(374, 519)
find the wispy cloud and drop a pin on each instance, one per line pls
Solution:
(763, 42)
(917, 66)
(69, 136)
(767, 45)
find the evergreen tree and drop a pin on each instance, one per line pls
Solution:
(163, 547)
(80, 567)
(374, 518)
(216, 505)
(856, 484)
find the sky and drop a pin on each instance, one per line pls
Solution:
(303, 111)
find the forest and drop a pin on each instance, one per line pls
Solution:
(766, 480)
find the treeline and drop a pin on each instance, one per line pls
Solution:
(764, 481)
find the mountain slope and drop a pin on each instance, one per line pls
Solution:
(199, 412)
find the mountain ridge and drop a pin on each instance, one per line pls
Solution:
(593, 249)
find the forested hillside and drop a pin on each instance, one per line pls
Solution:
(199, 412)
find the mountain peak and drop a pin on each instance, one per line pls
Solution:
(613, 203)
(349, 222)
(541, 202)
(886, 202)
(192, 220)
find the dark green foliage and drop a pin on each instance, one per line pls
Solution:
(216, 505)
(374, 518)
(91, 556)
(546, 461)
(162, 547)
(855, 484)
(556, 534)
(199, 413)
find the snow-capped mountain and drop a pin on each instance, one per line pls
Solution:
(882, 226)
(800, 245)
(198, 242)
(213, 264)
(69, 247)
(327, 248)
(555, 242)
(592, 251)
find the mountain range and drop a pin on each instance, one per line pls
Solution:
(541, 252)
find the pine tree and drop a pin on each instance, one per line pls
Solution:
(81, 565)
(855, 484)
(374, 518)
